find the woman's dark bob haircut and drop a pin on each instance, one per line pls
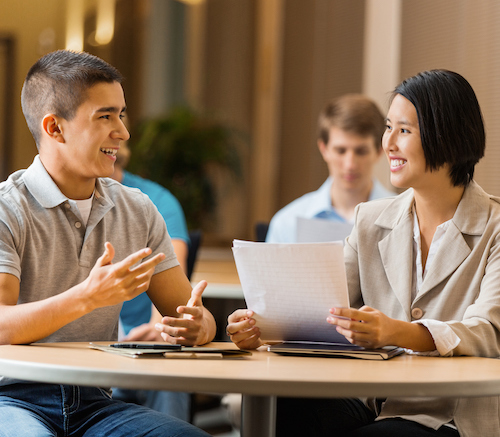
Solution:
(450, 121)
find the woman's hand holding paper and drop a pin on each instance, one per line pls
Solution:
(372, 329)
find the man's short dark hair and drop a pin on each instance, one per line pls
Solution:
(450, 121)
(352, 113)
(58, 82)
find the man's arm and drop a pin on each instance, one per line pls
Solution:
(108, 284)
(172, 294)
(181, 252)
(33, 321)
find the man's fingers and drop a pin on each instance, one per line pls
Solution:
(135, 258)
(175, 330)
(195, 311)
(172, 325)
(195, 299)
(125, 265)
(146, 268)
(107, 256)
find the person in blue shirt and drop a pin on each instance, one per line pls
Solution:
(350, 130)
(139, 316)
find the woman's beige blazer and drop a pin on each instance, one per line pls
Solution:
(461, 288)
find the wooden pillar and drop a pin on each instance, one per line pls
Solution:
(381, 71)
(266, 108)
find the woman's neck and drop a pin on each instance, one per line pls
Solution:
(433, 208)
(438, 205)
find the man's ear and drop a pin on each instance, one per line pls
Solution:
(322, 147)
(52, 128)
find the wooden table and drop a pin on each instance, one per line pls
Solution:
(260, 378)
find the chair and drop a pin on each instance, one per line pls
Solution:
(195, 238)
(261, 231)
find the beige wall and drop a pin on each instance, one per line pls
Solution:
(227, 83)
(39, 27)
(463, 36)
(266, 67)
(271, 66)
(323, 54)
(28, 21)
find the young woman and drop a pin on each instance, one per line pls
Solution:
(423, 269)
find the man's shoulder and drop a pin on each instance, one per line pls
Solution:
(301, 206)
(13, 190)
(14, 180)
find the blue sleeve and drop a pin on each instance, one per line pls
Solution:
(166, 203)
(171, 211)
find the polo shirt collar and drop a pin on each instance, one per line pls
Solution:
(43, 188)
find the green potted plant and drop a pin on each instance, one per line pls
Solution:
(181, 151)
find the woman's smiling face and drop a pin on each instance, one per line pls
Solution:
(403, 146)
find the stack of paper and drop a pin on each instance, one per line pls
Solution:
(315, 230)
(291, 288)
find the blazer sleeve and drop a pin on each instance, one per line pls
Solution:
(479, 328)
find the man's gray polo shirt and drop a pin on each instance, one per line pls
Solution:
(45, 244)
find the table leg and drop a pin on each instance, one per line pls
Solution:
(258, 416)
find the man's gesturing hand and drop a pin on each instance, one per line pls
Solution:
(188, 329)
(110, 284)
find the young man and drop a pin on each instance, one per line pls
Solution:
(350, 130)
(75, 244)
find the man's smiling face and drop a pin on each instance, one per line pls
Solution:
(92, 138)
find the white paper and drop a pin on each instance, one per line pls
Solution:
(291, 288)
(317, 230)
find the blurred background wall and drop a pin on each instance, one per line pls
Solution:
(263, 67)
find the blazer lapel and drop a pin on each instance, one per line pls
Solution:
(452, 251)
(470, 218)
(397, 257)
